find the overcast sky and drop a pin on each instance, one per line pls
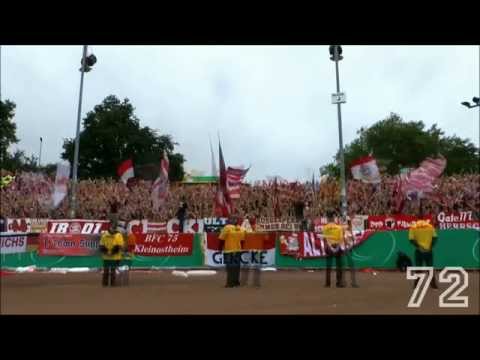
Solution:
(271, 104)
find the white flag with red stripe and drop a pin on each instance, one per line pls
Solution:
(235, 176)
(125, 171)
(366, 170)
(160, 186)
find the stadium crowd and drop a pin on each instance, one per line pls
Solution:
(29, 195)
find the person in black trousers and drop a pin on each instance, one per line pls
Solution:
(182, 216)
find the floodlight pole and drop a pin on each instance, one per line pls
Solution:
(73, 200)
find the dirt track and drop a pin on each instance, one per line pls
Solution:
(282, 292)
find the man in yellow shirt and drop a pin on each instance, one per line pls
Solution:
(423, 236)
(111, 245)
(333, 234)
(231, 239)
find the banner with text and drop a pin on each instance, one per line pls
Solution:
(191, 226)
(162, 244)
(68, 244)
(77, 226)
(313, 244)
(214, 224)
(278, 226)
(461, 220)
(393, 222)
(258, 250)
(27, 225)
(13, 243)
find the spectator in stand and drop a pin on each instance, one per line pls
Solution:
(182, 216)
(28, 195)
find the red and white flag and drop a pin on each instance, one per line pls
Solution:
(61, 181)
(366, 170)
(125, 171)
(223, 203)
(421, 179)
(160, 186)
(235, 176)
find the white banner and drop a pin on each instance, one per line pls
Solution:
(61, 181)
(192, 226)
(26, 225)
(12, 243)
(261, 258)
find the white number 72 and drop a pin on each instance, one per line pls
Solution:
(453, 275)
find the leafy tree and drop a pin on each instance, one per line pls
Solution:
(112, 134)
(397, 144)
(8, 130)
(18, 161)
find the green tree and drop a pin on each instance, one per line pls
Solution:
(18, 161)
(397, 144)
(8, 130)
(112, 134)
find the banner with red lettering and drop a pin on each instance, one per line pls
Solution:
(392, 222)
(77, 226)
(13, 243)
(163, 244)
(68, 244)
(258, 249)
(461, 220)
(313, 245)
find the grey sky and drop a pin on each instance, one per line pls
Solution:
(271, 104)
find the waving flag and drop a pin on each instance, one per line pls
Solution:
(214, 171)
(61, 181)
(160, 186)
(366, 170)
(235, 176)
(420, 181)
(125, 171)
(223, 203)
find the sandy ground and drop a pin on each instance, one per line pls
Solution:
(159, 292)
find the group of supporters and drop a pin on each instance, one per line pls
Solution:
(29, 195)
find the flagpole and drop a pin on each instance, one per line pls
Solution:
(40, 152)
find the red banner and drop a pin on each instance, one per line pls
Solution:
(159, 244)
(68, 244)
(306, 245)
(74, 226)
(393, 222)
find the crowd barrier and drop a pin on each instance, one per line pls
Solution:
(454, 248)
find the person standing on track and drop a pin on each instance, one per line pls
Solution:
(111, 244)
(231, 239)
(127, 255)
(334, 235)
(424, 237)
(349, 243)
